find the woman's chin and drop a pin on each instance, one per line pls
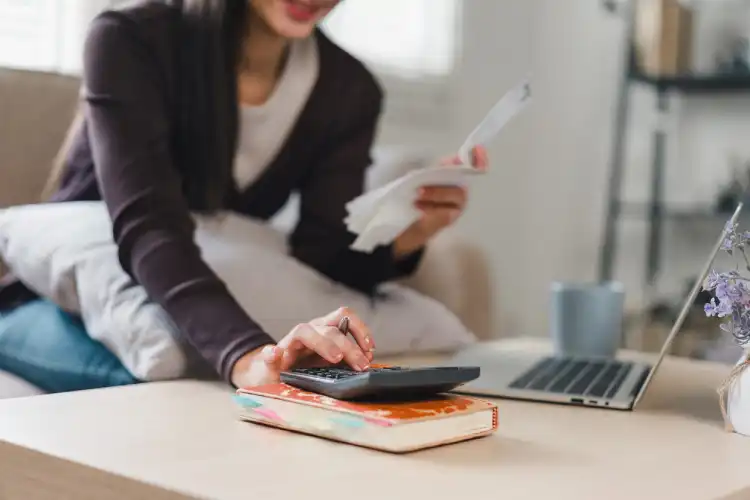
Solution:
(294, 30)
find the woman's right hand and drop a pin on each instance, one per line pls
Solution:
(317, 343)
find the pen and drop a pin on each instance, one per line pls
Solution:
(344, 325)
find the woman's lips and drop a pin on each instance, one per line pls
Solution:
(301, 12)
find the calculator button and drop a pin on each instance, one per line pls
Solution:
(327, 373)
(340, 372)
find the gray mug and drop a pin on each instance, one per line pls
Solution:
(587, 319)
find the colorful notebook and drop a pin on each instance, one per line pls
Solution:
(394, 427)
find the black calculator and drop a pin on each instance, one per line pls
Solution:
(380, 383)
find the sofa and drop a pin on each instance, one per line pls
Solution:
(38, 107)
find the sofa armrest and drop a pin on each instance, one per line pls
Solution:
(37, 111)
(456, 273)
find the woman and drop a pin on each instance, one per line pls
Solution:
(207, 105)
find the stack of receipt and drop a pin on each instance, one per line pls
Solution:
(378, 217)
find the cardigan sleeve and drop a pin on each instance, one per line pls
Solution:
(126, 110)
(337, 176)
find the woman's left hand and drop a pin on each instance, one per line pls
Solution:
(441, 206)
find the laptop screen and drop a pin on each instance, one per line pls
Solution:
(689, 301)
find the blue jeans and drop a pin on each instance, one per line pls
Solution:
(50, 348)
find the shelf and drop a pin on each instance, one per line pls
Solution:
(655, 212)
(697, 84)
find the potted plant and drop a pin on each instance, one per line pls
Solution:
(730, 302)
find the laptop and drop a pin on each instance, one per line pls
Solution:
(597, 382)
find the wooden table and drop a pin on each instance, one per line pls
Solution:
(183, 440)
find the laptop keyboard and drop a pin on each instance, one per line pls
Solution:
(600, 379)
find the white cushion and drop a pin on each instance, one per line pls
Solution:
(14, 387)
(65, 252)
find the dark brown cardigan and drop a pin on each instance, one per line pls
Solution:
(122, 154)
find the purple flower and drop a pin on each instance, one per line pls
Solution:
(742, 294)
(722, 290)
(731, 291)
(722, 309)
(734, 239)
(712, 280)
(710, 308)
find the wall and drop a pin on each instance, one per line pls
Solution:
(540, 212)
(496, 55)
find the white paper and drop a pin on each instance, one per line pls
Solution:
(379, 220)
(385, 227)
(378, 217)
(501, 113)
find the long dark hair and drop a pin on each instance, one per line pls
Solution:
(210, 42)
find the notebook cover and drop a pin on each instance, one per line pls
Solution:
(382, 414)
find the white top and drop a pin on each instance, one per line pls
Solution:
(264, 129)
